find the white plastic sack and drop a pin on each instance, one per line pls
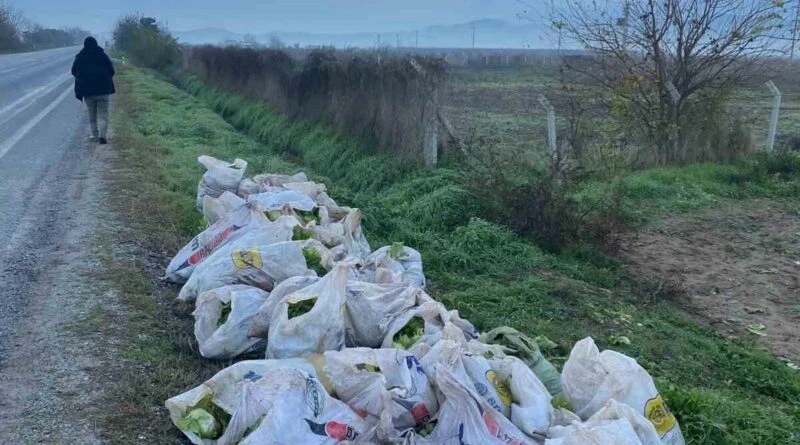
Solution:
(224, 391)
(223, 318)
(591, 378)
(372, 307)
(260, 325)
(393, 264)
(214, 209)
(616, 432)
(276, 201)
(374, 381)
(266, 181)
(301, 412)
(465, 418)
(644, 430)
(531, 410)
(220, 177)
(434, 317)
(232, 226)
(320, 328)
(258, 266)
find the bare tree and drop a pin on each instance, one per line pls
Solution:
(12, 23)
(663, 57)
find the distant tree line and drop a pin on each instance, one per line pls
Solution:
(18, 34)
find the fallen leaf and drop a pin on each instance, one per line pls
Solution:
(753, 310)
(757, 329)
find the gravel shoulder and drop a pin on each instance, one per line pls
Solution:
(52, 363)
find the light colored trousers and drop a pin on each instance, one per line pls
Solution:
(98, 114)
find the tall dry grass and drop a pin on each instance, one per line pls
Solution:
(373, 96)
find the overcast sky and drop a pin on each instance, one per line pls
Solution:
(258, 16)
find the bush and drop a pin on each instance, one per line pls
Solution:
(142, 40)
(372, 96)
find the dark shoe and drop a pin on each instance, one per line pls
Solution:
(103, 141)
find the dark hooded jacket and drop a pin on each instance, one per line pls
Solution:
(93, 71)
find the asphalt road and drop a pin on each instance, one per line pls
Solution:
(43, 147)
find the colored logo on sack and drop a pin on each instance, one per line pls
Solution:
(244, 259)
(315, 399)
(334, 430)
(501, 387)
(659, 415)
(493, 427)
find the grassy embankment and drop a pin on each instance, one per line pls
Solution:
(722, 392)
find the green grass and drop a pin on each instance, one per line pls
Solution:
(722, 392)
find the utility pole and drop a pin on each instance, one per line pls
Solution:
(473, 35)
(794, 31)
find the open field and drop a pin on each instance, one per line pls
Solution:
(501, 106)
(723, 390)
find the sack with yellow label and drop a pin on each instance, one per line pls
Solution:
(615, 423)
(243, 220)
(466, 418)
(310, 320)
(591, 378)
(373, 381)
(531, 410)
(259, 266)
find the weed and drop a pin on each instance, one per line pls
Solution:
(722, 392)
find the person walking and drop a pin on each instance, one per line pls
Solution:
(94, 84)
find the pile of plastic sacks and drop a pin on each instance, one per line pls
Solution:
(357, 352)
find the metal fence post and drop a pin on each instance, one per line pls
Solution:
(773, 121)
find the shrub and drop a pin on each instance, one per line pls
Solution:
(148, 45)
(372, 96)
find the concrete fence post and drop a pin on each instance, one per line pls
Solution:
(551, 126)
(773, 121)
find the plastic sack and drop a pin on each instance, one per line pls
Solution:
(232, 226)
(276, 201)
(374, 381)
(267, 181)
(258, 266)
(310, 320)
(214, 209)
(393, 264)
(474, 371)
(372, 307)
(222, 395)
(612, 424)
(591, 378)
(465, 418)
(299, 411)
(223, 318)
(519, 345)
(220, 177)
(425, 323)
(531, 410)
(616, 432)
(260, 325)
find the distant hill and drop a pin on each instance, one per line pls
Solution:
(489, 33)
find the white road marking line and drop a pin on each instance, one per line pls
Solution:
(31, 96)
(6, 145)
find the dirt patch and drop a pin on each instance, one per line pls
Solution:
(734, 267)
